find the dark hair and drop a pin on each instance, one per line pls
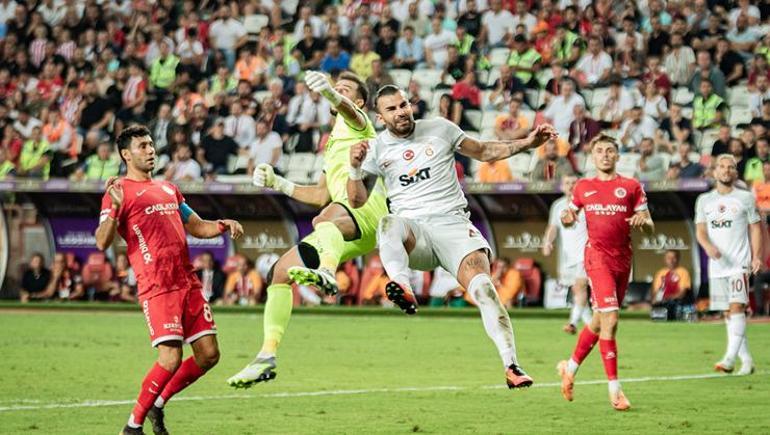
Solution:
(125, 137)
(604, 138)
(385, 91)
(675, 252)
(362, 90)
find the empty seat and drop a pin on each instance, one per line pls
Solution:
(428, 78)
(499, 56)
(301, 162)
(401, 77)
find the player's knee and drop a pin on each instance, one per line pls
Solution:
(208, 357)
(609, 321)
(170, 357)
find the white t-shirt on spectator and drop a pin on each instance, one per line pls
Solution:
(241, 129)
(316, 24)
(189, 49)
(594, 66)
(497, 25)
(261, 150)
(654, 107)
(462, 6)
(620, 40)
(616, 108)
(188, 168)
(637, 132)
(25, 130)
(7, 12)
(224, 34)
(400, 10)
(755, 103)
(560, 112)
(753, 12)
(438, 44)
(529, 21)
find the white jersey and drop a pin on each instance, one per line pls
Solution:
(727, 218)
(419, 170)
(572, 239)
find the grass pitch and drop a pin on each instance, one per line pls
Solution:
(79, 372)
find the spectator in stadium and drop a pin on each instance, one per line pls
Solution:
(674, 128)
(335, 58)
(567, 45)
(560, 111)
(266, 148)
(163, 73)
(470, 19)
(183, 167)
(524, 61)
(162, 128)
(133, 97)
(655, 73)
(409, 50)
(379, 78)
(671, 287)
(743, 38)
(708, 107)
(310, 47)
(552, 166)
(722, 144)
(227, 34)
(243, 285)
(629, 33)
(455, 65)
(651, 167)
(361, 62)
(706, 71)
(593, 68)
(7, 167)
(698, 18)
(617, 106)
(764, 118)
(240, 126)
(437, 45)
(758, 68)
(637, 127)
(35, 279)
(61, 136)
(35, 157)
(761, 190)
(707, 38)
(125, 281)
(445, 290)
(682, 166)
(658, 39)
(215, 149)
(416, 20)
(508, 282)
(730, 62)
(386, 45)
(65, 283)
(419, 106)
(512, 125)
(25, 123)
(211, 277)
(496, 24)
(467, 96)
(759, 94)
(506, 88)
(494, 172)
(653, 102)
(99, 166)
(754, 166)
(679, 62)
(738, 149)
(582, 129)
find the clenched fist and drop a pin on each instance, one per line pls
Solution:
(358, 154)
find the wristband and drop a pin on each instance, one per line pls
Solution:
(113, 214)
(283, 185)
(221, 226)
(356, 174)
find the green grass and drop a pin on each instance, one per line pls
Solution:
(74, 357)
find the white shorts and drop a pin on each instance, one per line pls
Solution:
(444, 241)
(728, 290)
(571, 273)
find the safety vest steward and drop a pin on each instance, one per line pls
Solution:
(98, 169)
(705, 113)
(163, 72)
(526, 60)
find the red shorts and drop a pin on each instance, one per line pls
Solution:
(178, 315)
(608, 281)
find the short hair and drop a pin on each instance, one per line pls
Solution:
(386, 91)
(675, 252)
(604, 138)
(362, 90)
(125, 137)
(726, 156)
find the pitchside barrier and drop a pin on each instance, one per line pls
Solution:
(59, 215)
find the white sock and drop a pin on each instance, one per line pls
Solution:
(587, 315)
(743, 351)
(572, 366)
(159, 402)
(574, 314)
(736, 329)
(494, 316)
(391, 234)
(614, 386)
(131, 422)
(265, 355)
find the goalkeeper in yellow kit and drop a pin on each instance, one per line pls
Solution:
(340, 233)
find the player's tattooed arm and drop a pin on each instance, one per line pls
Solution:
(493, 150)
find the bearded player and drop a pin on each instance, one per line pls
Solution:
(152, 217)
(339, 232)
(429, 225)
(728, 228)
(613, 205)
(572, 243)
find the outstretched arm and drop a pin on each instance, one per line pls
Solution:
(318, 82)
(316, 195)
(205, 229)
(492, 150)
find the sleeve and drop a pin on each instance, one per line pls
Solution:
(700, 213)
(640, 197)
(684, 278)
(751, 208)
(370, 165)
(453, 134)
(576, 202)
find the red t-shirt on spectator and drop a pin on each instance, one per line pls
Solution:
(463, 91)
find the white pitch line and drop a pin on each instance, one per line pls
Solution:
(103, 403)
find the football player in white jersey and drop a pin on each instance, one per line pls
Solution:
(572, 243)
(728, 229)
(428, 225)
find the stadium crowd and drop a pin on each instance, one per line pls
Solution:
(220, 85)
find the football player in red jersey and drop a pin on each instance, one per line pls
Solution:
(152, 217)
(612, 205)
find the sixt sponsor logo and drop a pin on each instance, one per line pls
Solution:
(414, 176)
(164, 209)
(721, 223)
(143, 248)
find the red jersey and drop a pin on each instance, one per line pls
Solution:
(150, 222)
(607, 205)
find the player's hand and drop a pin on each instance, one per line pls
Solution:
(318, 82)
(568, 217)
(547, 248)
(756, 266)
(540, 135)
(358, 153)
(264, 176)
(233, 227)
(115, 190)
(712, 252)
(638, 220)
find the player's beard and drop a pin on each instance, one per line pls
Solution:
(727, 181)
(403, 130)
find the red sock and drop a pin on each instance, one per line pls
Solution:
(187, 373)
(586, 341)
(609, 350)
(153, 384)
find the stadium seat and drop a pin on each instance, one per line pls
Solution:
(474, 118)
(482, 76)
(435, 98)
(638, 292)
(533, 279)
(494, 74)
(519, 165)
(683, 96)
(499, 56)
(241, 163)
(535, 98)
(298, 176)
(739, 96)
(255, 23)
(534, 158)
(740, 115)
(401, 77)
(543, 76)
(627, 164)
(488, 119)
(598, 96)
(232, 162)
(428, 78)
(530, 116)
(708, 137)
(234, 179)
(301, 162)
